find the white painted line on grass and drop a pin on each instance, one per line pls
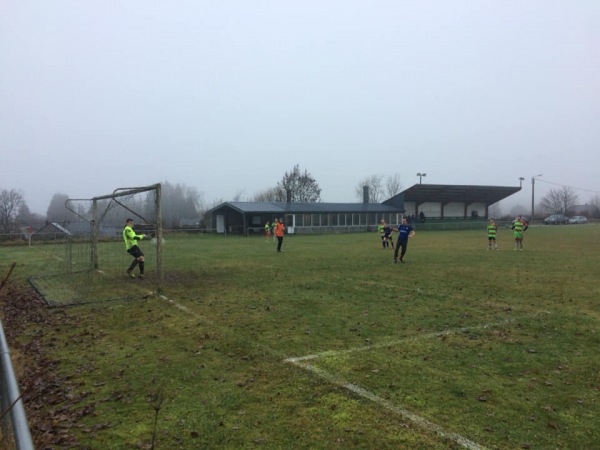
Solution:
(420, 421)
(186, 310)
(393, 343)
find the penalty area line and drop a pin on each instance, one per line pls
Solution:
(302, 363)
(395, 342)
(416, 419)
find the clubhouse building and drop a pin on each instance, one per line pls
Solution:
(418, 203)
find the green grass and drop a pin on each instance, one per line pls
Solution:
(499, 347)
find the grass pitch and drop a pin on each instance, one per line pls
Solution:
(330, 345)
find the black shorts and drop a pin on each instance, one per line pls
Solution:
(135, 251)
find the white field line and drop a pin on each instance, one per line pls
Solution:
(185, 309)
(393, 343)
(420, 421)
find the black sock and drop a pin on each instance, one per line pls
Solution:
(142, 267)
(133, 264)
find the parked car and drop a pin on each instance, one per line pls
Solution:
(578, 219)
(556, 219)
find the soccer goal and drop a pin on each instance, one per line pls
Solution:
(91, 266)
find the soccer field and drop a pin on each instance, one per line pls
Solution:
(330, 345)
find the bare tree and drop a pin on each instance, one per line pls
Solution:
(302, 187)
(239, 196)
(179, 202)
(560, 201)
(495, 211)
(393, 185)
(517, 210)
(26, 217)
(10, 204)
(375, 185)
(57, 212)
(268, 195)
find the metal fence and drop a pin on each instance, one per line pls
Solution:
(15, 429)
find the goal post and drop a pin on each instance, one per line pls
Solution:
(95, 253)
(155, 220)
(85, 258)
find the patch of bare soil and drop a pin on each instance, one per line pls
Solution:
(52, 406)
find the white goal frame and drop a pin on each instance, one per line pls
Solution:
(97, 216)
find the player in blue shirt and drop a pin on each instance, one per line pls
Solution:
(405, 231)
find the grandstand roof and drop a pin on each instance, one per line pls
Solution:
(451, 193)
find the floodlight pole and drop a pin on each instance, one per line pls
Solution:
(533, 196)
(421, 175)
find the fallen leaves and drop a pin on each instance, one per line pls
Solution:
(51, 406)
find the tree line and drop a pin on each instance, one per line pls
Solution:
(181, 202)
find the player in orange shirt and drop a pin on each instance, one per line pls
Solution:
(279, 227)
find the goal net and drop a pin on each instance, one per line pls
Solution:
(86, 258)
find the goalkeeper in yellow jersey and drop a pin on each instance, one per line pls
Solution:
(131, 245)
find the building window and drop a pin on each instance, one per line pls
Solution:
(307, 220)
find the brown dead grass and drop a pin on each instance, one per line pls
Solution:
(50, 409)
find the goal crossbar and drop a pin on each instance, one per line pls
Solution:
(117, 194)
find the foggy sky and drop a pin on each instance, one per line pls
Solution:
(227, 96)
